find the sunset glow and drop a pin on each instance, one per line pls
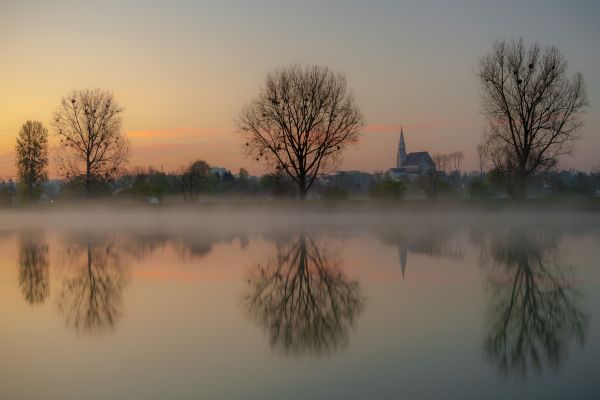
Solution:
(183, 73)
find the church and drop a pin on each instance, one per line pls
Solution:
(412, 164)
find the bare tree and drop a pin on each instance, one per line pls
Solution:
(481, 158)
(32, 158)
(88, 123)
(442, 162)
(300, 122)
(533, 109)
(456, 159)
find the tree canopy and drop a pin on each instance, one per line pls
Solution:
(92, 147)
(32, 158)
(300, 122)
(533, 110)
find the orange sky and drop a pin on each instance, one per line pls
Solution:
(183, 70)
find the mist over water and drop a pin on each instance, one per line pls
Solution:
(292, 302)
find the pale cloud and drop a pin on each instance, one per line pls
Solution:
(181, 132)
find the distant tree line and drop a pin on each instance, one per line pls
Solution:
(199, 182)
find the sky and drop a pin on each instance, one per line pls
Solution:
(183, 69)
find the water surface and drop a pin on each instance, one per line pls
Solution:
(238, 306)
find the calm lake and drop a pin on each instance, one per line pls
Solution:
(234, 305)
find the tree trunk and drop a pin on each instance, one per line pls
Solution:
(88, 180)
(303, 190)
(30, 188)
(303, 193)
(520, 186)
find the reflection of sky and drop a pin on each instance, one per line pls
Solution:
(191, 65)
(184, 331)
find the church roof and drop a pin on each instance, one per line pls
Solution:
(417, 158)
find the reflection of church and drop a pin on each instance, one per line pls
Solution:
(403, 254)
(411, 164)
(432, 242)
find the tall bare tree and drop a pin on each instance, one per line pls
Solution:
(442, 162)
(32, 157)
(533, 109)
(300, 122)
(481, 157)
(456, 159)
(88, 123)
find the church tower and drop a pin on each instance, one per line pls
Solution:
(401, 157)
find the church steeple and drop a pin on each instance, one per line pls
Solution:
(401, 157)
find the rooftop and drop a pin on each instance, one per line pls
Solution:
(417, 158)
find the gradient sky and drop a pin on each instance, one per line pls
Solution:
(183, 69)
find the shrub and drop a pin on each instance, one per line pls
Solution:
(385, 187)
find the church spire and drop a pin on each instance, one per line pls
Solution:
(401, 157)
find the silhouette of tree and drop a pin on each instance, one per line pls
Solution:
(242, 183)
(32, 158)
(534, 310)
(33, 268)
(147, 182)
(194, 179)
(91, 297)
(7, 192)
(456, 159)
(481, 158)
(446, 164)
(302, 299)
(92, 148)
(533, 110)
(442, 162)
(300, 122)
(383, 186)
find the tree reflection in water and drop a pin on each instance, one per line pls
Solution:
(91, 297)
(33, 268)
(302, 298)
(535, 310)
(96, 268)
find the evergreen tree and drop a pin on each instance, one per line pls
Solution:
(32, 158)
